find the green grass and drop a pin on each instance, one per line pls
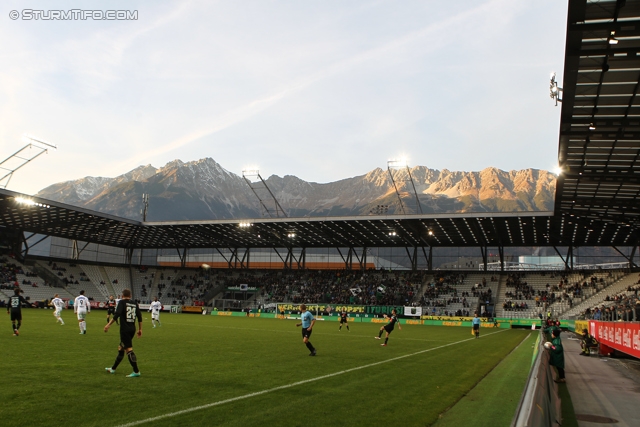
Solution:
(53, 376)
(494, 401)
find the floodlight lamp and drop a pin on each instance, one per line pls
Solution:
(592, 126)
(430, 232)
(291, 235)
(244, 224)
(398, 163)
(24, 201)
(612, 39)
(392, 233)
(554, 90)
(557, 170)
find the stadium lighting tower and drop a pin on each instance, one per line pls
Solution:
(145, 206)
(554, 90)
(399, 164)
(34, 148)
(260, 186)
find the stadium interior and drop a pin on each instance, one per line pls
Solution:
(449, 265)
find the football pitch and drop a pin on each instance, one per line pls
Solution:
(237, 371)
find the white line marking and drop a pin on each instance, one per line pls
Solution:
(297, 331)
(282, 387)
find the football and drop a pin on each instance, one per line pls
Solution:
(548, 345)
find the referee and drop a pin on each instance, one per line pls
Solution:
(476, 325)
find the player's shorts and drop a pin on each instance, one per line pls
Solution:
(57, 312)
(306, 333)
(343, 320)
(388, 328)
(476, 327)
(111, 310)
(82, 314)
(155, 316)
(126, 338)
(16, 315)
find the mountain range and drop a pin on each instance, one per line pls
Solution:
(203, 189)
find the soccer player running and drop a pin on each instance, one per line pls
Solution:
(476, 325)
(307, 325)
(127, 311)
(81, 307)
(393, 319)
(59, 305)
(343, 319)
(111, 307)
(14, 307)
(155, 308)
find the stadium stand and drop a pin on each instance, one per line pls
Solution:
(118, 278)
(99, 279)
(458, 294)
(76, 279)
(615, 302)
(143, 284)
(32, 286)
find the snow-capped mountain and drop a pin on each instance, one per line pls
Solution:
(203, 189)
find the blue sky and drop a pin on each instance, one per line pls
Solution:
(323, 90)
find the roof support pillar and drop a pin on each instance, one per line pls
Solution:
(75, 251)
(413, 258)
(183, 257)
(244, 263)
(483, 252)
(224, 257)
(628, 258)
(363, 264)
(284, 262)
(568, 260)
(128, 254)
(501, 252)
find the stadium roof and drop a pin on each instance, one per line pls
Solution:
(441, 230)
(600, 121)
(599, 150)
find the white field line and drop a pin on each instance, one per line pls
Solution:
(282, 387)
(297, 331)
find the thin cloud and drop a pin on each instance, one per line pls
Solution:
(238, 115)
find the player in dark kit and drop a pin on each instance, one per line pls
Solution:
(344, 319)
(393, 319)
(111, 307)
(127, 311)
(14, 306)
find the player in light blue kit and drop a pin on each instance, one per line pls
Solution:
(307, 324)
(476, 325)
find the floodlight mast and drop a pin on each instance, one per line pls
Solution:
(145, 206)
(554, 90)
(398, 165)
(265, 210)
(22, 159)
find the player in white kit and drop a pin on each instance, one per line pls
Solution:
(59, 305)
(81, 307)
(155, 308)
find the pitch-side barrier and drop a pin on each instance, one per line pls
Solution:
(540, 404)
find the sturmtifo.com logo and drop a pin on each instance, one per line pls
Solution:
(74, 15)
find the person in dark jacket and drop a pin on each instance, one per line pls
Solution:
(588, 342)
(556, 353)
